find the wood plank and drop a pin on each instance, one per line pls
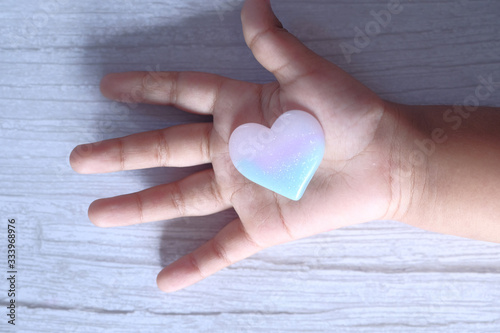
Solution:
(73, 277)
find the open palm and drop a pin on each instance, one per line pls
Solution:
(352, 184)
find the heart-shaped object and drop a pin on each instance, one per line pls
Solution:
(283, 158)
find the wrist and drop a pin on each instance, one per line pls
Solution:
(409, 165)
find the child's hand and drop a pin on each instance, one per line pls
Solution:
(355, 182)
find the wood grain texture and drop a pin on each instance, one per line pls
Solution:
(73, 277)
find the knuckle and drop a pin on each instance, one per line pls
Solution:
(215, 192)
(205, 144)
(177, 199)
(160, 84)
(173, 92)
(140, 207)
(282, 220)
(258, 36)
(121, 153)
(162, 149)
(248, 237)
(220, 252)
(216, 96)
(192, 260)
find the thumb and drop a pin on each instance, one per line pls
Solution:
(289, 60)
(275, 48)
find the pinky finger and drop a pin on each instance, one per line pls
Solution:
(230, 245)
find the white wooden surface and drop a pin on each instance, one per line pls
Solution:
(74, 277)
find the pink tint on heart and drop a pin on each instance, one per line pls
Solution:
(284, 158)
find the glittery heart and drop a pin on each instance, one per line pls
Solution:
(283, 158)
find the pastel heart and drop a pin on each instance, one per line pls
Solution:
(283, 158)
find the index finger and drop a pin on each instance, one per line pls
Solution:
(190, 91)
